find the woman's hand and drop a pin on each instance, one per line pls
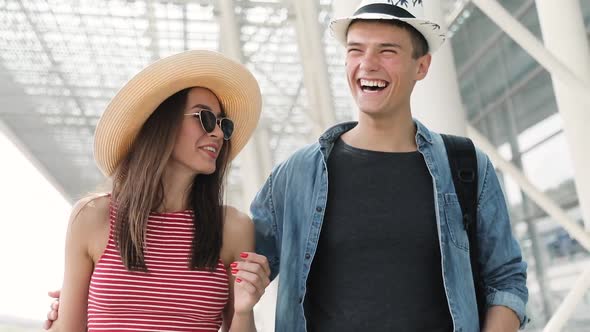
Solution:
(251, 278)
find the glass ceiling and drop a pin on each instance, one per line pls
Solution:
(62, 61)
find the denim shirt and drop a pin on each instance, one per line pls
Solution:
(289, 209)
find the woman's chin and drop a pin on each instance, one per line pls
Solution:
(204, 171)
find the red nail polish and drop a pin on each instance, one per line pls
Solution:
(244, 255)
(238, 280)
(234, 271)
(234, 264)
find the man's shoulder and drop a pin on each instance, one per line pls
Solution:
(305, 156)
(482, 157)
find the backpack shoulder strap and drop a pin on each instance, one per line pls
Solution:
(463, 163)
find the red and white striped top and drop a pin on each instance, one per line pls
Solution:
(169, 296)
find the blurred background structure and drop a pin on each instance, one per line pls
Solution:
(514, 75)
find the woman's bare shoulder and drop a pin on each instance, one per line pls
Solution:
(236, 221)
(91, 210)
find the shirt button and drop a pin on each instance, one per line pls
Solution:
(318, 209)
(307, 256)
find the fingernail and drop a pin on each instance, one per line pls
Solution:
(244, 255)
(234, 271)
(238, 280)
(234, 264)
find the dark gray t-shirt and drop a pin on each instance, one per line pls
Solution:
(378, 265)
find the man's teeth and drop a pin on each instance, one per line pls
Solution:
(373, 83)
(209, 148)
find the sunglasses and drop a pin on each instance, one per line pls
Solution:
(209, 121)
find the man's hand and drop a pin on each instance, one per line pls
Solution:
(52, 314)
(501, 319)
(252, 276)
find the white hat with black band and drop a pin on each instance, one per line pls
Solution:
(408, 11)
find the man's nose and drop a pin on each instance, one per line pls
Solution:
(369, 61)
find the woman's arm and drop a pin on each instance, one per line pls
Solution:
(73, 301)
(249, 272)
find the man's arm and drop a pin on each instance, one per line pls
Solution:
(503, 271)
(52, 314)
(262, 210)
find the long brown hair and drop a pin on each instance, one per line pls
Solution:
(138, 190)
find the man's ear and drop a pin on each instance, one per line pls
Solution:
(423, 63)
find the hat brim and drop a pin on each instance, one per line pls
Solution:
(431, 31)
(235, 87)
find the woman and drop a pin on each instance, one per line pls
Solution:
(161, 252)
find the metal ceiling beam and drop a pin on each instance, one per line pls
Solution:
(535, 48)
(315, 69)
(490, 43)
(454, 14)
(570, 302)
(49, 55)
(535, 194)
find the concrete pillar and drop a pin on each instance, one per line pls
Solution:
(436, 100)
(565, 36)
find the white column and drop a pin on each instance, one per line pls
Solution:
(229, 31)
(315, 68)
(565, 36)
(255, 164)
(342, 8)
(255, 158)
(436, 100)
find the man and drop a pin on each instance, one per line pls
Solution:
(364, 226)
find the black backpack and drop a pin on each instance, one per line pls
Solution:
(463, 164)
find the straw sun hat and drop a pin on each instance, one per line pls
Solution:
(235, 87)
(411, 12)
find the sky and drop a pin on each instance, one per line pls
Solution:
(34, 220)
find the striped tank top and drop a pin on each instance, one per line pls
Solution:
(169, 296)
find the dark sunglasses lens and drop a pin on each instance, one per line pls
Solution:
(227, 126)
(208, 120)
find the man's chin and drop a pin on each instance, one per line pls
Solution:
(371, 110)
